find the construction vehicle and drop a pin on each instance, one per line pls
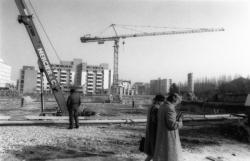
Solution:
(116, 38)
(44, 64)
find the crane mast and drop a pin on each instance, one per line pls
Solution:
(44, 64)
(116, 39)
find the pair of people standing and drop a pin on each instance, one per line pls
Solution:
(162, 141)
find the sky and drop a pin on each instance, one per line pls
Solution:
(140, 59)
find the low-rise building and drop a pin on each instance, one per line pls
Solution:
(125, 88)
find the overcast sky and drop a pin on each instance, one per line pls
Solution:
(140, 59)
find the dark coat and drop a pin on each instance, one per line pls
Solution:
(168, 145)
(74, 101)
(151, 130)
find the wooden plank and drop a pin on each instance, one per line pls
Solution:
(214, 159)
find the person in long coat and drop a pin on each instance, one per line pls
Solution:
(73, 103)
(168, 145)
(151, 127)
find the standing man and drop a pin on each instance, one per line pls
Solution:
(168, 145)
(22, 100)
(73, 103)
(133, 103)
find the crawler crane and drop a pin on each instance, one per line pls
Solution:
(44, 64)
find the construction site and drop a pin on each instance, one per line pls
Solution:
(34, 116)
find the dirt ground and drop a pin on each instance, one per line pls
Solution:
(109, 142)
(114, 142)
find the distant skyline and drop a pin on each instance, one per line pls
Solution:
(140, 59)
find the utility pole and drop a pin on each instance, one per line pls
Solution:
(42, 97)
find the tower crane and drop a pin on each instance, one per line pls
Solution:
(117, 37)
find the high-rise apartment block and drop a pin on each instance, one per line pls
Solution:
(95, 79)
(27, 81)
(190, 83)
(160, 86)
(5, 73)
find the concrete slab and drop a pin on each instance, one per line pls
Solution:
(5, 117)
(29, 117)
(54, 122)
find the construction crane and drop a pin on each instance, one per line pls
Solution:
(116, 39)
(44, 64)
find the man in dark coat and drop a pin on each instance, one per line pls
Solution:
(151, 127)
(73, 103)
(168, 145)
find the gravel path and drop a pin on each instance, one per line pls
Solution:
(113, 142)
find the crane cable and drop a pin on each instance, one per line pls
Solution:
(137, 28)
(39, 21)
(148, 26)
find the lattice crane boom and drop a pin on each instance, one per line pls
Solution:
(86, 39)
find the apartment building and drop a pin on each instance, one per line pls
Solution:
(96, 79)
(30, 78)
(5, 74)
(141, 88)
(27, 81)
(160, 86)
(91, 79)
(64, 73)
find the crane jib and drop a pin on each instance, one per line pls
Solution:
(46, 65)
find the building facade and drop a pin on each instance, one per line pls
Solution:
(64, 73)
(125, 88)
(95, 79)
(89, 79)
(160, 86)
(27, 81)
(190, 83)
(141, 88)
(5, 74)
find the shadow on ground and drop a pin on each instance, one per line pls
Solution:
(196, 138)
(43, 153)
(60, 126)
